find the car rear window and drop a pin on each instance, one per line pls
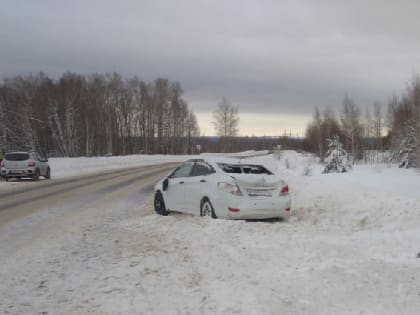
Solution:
(16, 157)
(244, 169)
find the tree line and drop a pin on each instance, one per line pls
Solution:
(97, 114)
(369, 133)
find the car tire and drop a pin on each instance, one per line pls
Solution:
(6, 179)
(36, 175)
(159, 204)
(48, 175)
(206, 208)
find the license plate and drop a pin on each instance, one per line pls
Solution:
(260, 193)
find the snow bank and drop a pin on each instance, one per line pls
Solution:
(63, 167)
(350, 247)
(244, 154)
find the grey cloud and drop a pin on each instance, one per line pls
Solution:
(266, 56)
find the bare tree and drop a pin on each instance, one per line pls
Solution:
(191, 131)
(367, 136)
(377, 125)
(321, 130)
(351, 126)
(94, 114)
(318, 131)
(226, 122)
(226, 119)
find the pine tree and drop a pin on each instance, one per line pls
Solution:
(408, 146)
(336, 160)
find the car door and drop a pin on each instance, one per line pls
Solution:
(196, 186)
(175, 193)
(40, 165)
(44, 164)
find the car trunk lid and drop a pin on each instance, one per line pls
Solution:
(259, 185)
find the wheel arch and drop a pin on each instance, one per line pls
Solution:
(206, 198)
(165, 211)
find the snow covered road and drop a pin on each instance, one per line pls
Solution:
(32, 196)
(39, 221)
(349, 248)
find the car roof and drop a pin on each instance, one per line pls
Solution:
(19, 152)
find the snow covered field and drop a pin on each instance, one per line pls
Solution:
(350, 247)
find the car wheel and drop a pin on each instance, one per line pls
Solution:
(206, 209)
(48, 176)
(6, 179)
(159, 204)
(36, 176)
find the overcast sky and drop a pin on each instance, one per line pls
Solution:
(275, 60)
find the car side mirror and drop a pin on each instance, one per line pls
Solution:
(165, 184)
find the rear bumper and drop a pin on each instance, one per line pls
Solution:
(13, 173)
(254, 208)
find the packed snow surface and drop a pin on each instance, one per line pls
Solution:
(63, 167)
(350, 247)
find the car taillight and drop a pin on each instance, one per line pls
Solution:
(2, 163)
(229, 188)
(284, 191)
(31, 164)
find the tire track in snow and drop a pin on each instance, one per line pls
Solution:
(14, 207)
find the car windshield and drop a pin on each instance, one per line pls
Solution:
(17, 157)
(244, 169)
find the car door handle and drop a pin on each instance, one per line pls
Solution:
(202, 181)
(181, 182)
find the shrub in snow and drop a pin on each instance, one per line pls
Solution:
(287, 164)
(307, 166)
(336, 160)
(307, 170)
(277, 154)
(407, 153)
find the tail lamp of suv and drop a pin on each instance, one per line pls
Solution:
(2, 164)
(31, 164)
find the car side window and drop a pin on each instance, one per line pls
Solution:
(183, 171)
(36, 156)
(201, 168)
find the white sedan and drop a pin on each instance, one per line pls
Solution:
(223, 188)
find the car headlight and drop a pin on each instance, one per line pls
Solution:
(229, 188)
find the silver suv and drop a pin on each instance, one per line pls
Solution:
(24, 165)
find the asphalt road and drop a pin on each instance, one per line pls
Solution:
(81, 191)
